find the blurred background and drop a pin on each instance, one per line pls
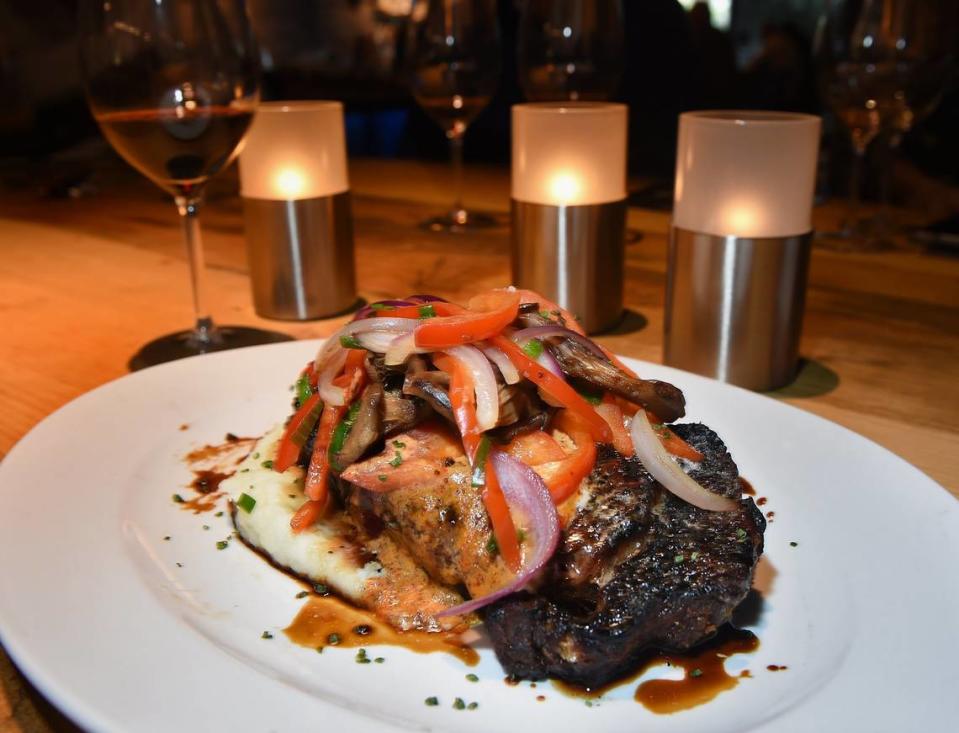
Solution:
(674, 56)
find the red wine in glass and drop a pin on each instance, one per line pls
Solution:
(174, 85)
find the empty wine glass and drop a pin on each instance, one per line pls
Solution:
(570, 49)
(173, 85)
(455, 67)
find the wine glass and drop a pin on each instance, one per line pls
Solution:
(173, 85)
(455, 65)
(570, 49)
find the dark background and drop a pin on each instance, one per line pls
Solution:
(759, 56)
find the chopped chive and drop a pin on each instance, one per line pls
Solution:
(266, 635)
(179, 564)
(679, 558)
(167, 538)
(399, 444)
(333, 639)
(458, 704)
(491, 546)
(696, 672)
(363, 630)
(319, 649)
(382, 477)
(222, 544)
(255, 456)
(246, 503)
(472, 706)
(521, 536)
(397, 460)
(427, 311)
(218, 514)
(177, 499)
(350, 342)
(432, 701)
(382, 307)
(472, 677)
(694, 555)
(303, 594)
(533, 348)
(379, 660)
(267, 464)
(321, 589)
(206, 526)
(794, 544)
(740, 533)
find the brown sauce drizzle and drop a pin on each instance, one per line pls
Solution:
(747, 488)
(705, 676)
(776, 667)
(328, 621)
(207, 482)
(202, 503)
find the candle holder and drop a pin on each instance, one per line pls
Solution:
(569, 206)
(739, 245)
(297, 214)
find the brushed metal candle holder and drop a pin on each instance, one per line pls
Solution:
(300, 254)
(574, 255)
(734, 306)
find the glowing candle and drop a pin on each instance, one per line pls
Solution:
(295, 150)
(746, 174)
(569, 154)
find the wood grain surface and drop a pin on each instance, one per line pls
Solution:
(85, 281)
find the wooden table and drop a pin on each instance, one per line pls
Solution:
(84, 282)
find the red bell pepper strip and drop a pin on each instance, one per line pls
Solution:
(297, 432)
(613, 415)
(308, 514)
(486, 316)
(563, 477)
(463, 401)
(555, 388)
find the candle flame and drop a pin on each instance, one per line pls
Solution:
(290, 183)
(565, 187)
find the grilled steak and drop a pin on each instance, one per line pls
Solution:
(637, 569)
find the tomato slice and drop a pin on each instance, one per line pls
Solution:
(563, 477)
(486, 315)
(528, 296)
(555, 388)
(297, 433)
(535, 447)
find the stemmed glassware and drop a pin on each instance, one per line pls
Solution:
(454, 68)
(173, 85)
(570, 49)
(883, 65)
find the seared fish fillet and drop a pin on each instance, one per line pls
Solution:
(375, 573)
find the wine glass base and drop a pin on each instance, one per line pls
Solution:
(182, 344)
(460, 220)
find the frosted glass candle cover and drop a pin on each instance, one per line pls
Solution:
(569, 154)
(294, 150)
(746, 174)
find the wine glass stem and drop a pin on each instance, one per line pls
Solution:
(189, 208)
(855, 186)
(456, 158)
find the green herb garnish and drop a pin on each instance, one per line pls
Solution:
(492, 547)
(321, 589)
(266, 635)
(382, 307)
(350, 342)
(794, 544)
(333, 639)
(382, 477)
(472, 706)
(472, 677)
(696, 672)
(246, 503)
(397, 460)
(177, 499)
(679, 558)
(267, 464)
(593, 398)
(427, 311)
(303, 594)
(379, 660)
(740, 534)
(533, 348)
(458, 704)
(399, 444)
(431, 701)
(222, 544)
(478, 479)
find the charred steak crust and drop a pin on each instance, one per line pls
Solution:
(637, 570)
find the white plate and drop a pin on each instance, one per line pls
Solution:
(96, 611)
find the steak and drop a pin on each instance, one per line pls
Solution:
(637, 570)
